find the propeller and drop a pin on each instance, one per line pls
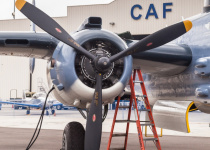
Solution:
(49, 25)
(100, 63)
(94, 119)
(156, 39)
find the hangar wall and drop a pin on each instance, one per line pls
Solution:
(14, 71)
(119, 12)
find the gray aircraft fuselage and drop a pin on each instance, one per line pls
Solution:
(189, 77)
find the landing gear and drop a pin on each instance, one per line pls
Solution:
(105, 112)
(47, 113)
(59, 107)
(103, 115)
(53, 111)
(73, 136)
(28, 111)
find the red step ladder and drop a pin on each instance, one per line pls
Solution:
(139, 123)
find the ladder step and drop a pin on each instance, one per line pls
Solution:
(147, 124)
(150, 139)
(117, 148)
(122, 121)
(144, 121)
(124, 106)
(144, 109)
(137, 81)
(132, 121)
(141, 96)
(118, 134)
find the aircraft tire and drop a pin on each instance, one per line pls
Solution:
(47, 113)
(27, 112)
(59, 107)
(53, 111)
(73, 136)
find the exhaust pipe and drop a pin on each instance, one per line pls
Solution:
(206, 7)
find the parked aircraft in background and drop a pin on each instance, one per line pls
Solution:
(37, 102)
(92, 66)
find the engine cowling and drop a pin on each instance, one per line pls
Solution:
(73, 75)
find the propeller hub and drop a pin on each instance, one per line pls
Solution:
(88, 68)
(102, 64)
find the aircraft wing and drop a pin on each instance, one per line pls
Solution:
(27, 44)
(166, 60)
(57, 104)
(21, 104)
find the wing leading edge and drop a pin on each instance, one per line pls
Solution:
(27, 44)
(167, 60)
(22, 104)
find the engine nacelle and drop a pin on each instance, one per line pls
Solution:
(73, 75)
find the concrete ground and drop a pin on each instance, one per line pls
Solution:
(17, 139)
(16, 129)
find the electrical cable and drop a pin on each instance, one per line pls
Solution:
(39, 124)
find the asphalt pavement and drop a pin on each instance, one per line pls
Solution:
(18, 138)
(16, 130)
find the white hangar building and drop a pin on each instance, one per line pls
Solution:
(140, 17)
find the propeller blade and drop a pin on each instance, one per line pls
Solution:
(49, 25)
(94, 119)
(156, 39)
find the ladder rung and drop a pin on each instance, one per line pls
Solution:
(118, 134)
(141, 95)
(124, 106)
(144, 121)
(144, 109)
(147, 124)
(122, 121)
(117, 148)
(137, 81)
(150, 139)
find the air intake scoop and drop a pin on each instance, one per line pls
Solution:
(91, 22)
(206, 7)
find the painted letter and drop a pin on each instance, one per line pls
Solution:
(132, 11)
(166, 10)
(153, 13)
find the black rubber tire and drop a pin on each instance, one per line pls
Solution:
(73, 136)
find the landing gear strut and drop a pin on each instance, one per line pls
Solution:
(28, 111)
(53, 111)
(47, 112)
(103, 115)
